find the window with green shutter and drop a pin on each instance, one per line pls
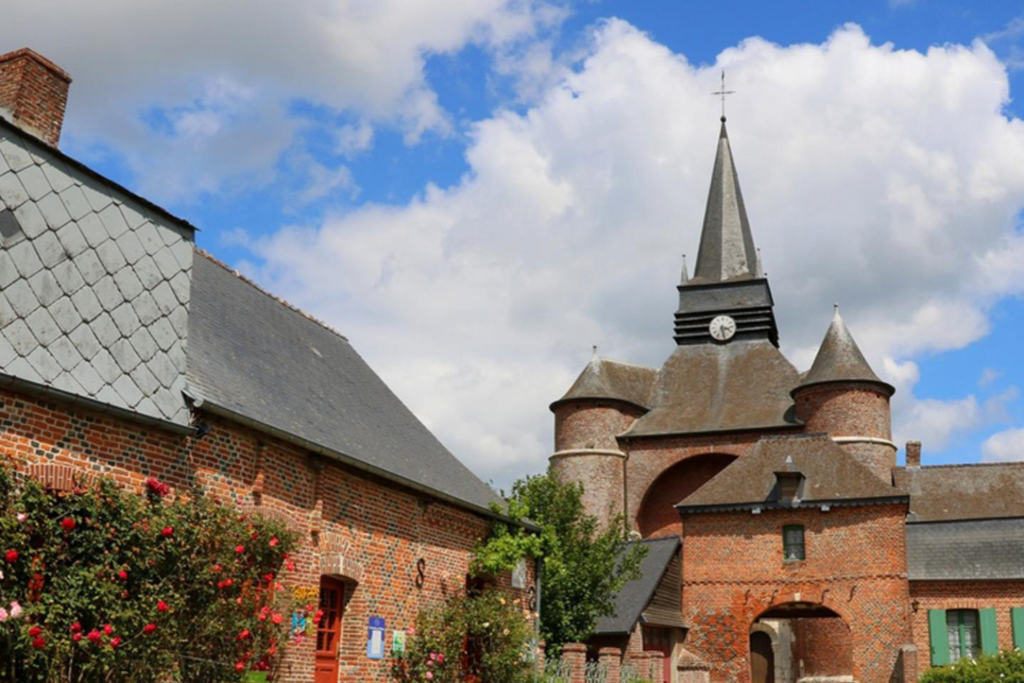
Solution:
(938, 636)
(989, 632)
(1017, 619)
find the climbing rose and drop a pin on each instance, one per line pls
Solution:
(243, 634)
(3, 615)
(161, 606)
(76, 637)
(94, 636)
(167, 532)
(39, 643)
(157, 487)
(123, 574)
(76, 627)
(35, 631)
(108, 629)
(22, 516)
(68, 524)
(12, 556)
(240, 549)
(273, 542)
(114, 642)
(15, 610)
(148, 628)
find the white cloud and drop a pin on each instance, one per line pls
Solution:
(1004, 446)
(881, 178)
(129, 57)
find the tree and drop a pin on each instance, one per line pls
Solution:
(583, 567)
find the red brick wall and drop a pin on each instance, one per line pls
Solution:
(658, 516)
(375, 530)
(1000, 595)
(733, 572)
(36, 91)
(822, 647)
(592, 424)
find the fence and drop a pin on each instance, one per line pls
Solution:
(610, 667)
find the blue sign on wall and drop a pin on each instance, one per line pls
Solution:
(375, 639)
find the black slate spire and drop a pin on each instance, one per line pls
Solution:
(727, 250)
(839, 359)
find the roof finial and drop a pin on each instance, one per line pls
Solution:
(758, 266)
(686, 273)
(723, 92)
(835, 309)
(594, 358)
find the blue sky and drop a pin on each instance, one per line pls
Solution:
(410, 173)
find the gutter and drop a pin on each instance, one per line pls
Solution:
(45, 391)
(227, 413)
(775, 505)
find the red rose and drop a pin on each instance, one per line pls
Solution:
(217, 567)
(157, 487)
(76, 627)
(108, 629)
(35, 632)
(77, 637)
(290, 566)
(114, 642)
(273, 542)
(148, 628)
(229, 582)
(240, 549)
(239, 666)
(68, 524)
(161, 606)
(39, 643)
(12, 556)
(94, 636)
(123, 574)
(167, 532)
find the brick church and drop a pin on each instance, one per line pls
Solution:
(784, 542)
(127, 353)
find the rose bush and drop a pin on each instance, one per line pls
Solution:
(1004, 667)
(103, 585)
(469, 639)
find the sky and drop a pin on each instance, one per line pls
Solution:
(475, 192)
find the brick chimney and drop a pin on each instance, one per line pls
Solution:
(913, 454)
(33, 93)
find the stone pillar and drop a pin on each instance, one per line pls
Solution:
(611, 657)
(642, 661)
(658, 667)
(575, 657)
(908, 660)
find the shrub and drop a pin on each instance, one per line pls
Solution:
(113, 586)
(1005, 667)
(471, 639)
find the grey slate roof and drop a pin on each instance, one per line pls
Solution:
(635, 595)
(255, 357)
(94, 285)
(990, 549)
(727, 249)
(839, 359)
(611, 379)
(744, 384)
(830, 475)
(958, 492)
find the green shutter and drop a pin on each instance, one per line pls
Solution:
(938, 637)
(1017, 618)
(989, 634)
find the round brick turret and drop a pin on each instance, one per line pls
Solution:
(842, 396)
(604, 402)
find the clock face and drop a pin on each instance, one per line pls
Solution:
(722, 328)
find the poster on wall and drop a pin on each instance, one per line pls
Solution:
(375, 639)
(398, 644)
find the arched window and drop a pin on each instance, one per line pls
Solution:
(793, 543)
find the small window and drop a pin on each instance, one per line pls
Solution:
(793, 543)
(962, 632)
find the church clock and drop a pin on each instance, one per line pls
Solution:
(722, 328)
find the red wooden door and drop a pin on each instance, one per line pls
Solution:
(660, 640)
(328, 631)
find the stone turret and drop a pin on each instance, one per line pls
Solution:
(605, 401)
(843, 397)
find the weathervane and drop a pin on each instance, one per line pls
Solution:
(723, 92)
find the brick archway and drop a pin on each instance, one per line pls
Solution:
(657, 516)
(819, 639)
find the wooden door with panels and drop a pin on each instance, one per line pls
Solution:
(328, 630)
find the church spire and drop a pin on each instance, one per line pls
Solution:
(727, 249)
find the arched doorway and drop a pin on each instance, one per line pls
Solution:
(657, 516)
(762, 658)
(812, 640)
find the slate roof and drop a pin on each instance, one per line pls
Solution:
(727, 249)
(990, 549)
(635, 595)
(612, 379)
(94, 286)
(839, 359)
(742, 385)
(831, 475)
(958, 492)
(253, 356)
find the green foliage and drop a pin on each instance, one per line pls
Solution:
(1004, 667)
(469, 639)
(114, 586)
(582, 567)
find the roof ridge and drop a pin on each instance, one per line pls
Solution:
(1010, 463)
(267, 293)
(605, 359)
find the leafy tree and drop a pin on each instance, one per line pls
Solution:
(583, 566)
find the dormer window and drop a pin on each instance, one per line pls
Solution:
(793, 543)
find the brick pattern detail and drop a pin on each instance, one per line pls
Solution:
(855, 567)
(575, 656)
(822, 647)
(59, 477)
(658, 516)
(35, 92)
(1000, 595)
(371, 532)
(611, 657)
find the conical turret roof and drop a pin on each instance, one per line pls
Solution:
(839, 359)
(727, 249)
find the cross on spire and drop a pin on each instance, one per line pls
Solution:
(723, 92)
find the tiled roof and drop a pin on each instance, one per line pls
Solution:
(634, 597)
(950, 492)
(974, 550)
(94, 285)
(612, 379)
